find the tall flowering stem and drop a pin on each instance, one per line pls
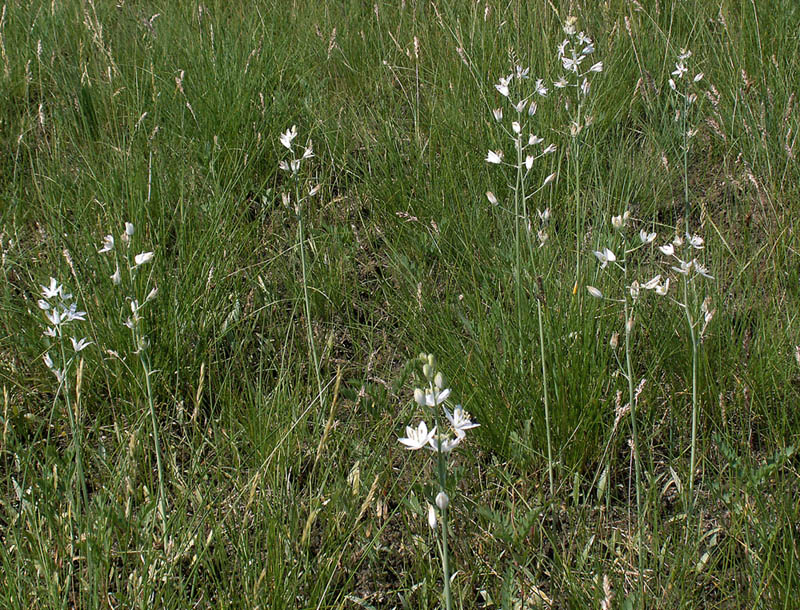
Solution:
(691, 273)
(61, 310)
(133, 264)
(684, 90)
(293, 166)
(631, 296)
(442, 443)
(573, 52)
(528, 148)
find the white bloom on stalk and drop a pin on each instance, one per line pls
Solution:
(695, 241)
(460, 420)
(498, 114)
(444, 443)
(493, 157)
(652, 284)
(430, 398)
(417, 438)
(142, 258)
(605, 257)
(663, 289)
(287, 137)
(667, 249)
(647, 238)
(491, 197)
(54, 289)
(442, 501)
(80, 344)
(540, 88)
(594, 292)
(108, 244)
(116, 278)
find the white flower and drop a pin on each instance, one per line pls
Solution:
(108, 244)
(680, 70)
(698, 77)
(544, 215)
(540, 88)
(493, 157)
(287, 137)
(532, 109)
(54, 289)
(117, 277)
(314, 190)
(533, 140)
(529, 162)
(431, 517)
(695, 241)
(598, 67)
(701, 269)
(283, 165)
(73, 314)
(444, 443)
(442, 501)
(54, 317)
(43, 304)
(516, 127)
(79, 345)
(48, 361)
(294, 165)
(684, 268)
(520, 105)
(142, 258)
(459, 420)
(129, 229)
(647, 238)
(417, 438)
(498, 114)
(667, 249)
(551, 148)
(562, 47)
(491, 197)
(663, 289)
(618, 221)
(652, 284)
(570, 63)
(605, 257)
(560, 83)
(594, 292)
(431, 398)
(309, 151)
(549, 179)
(502, 87)
(635, 290)
(672, 84)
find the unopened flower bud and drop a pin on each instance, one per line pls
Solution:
(439, 380)
(629, 325)
(442, 501)
(432, 517)
(419, 396)
(432, 360)
(427, 370)
(614, 340)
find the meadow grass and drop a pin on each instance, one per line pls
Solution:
(260, 396)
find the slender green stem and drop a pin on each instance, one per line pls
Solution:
(162, 504)
(546, 401)
(441, 466)
(309, 327)
(695, 406)
(635, 434)
(519, 197)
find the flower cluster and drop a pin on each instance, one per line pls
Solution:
(435, 395)
(528, 146)
(132, 265)
(60, 309)
(287, 141)
(689, 268)
(607, 256)
(683, 86)
(573, 51)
